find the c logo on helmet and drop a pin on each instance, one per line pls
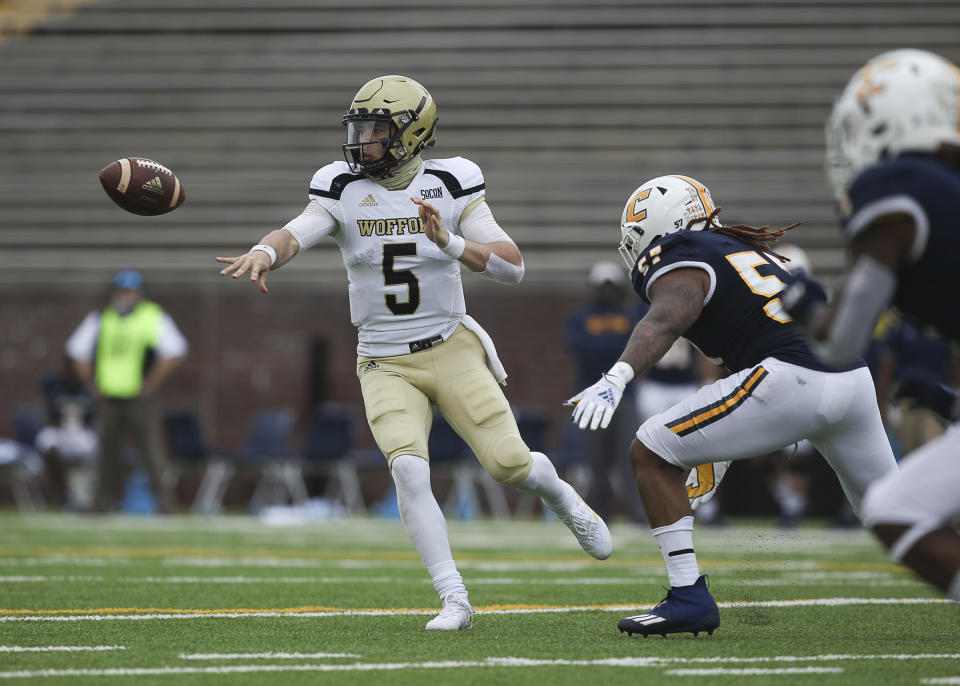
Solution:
(636, 214)
(867, 86)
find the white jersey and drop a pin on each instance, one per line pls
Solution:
(405, 293)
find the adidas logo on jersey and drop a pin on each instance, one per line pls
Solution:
(368, 201)
(153, 186)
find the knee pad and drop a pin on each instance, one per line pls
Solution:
(511, 460)
(410, 473)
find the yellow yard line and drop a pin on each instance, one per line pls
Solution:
(518, 608)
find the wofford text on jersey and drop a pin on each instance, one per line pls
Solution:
(390, 227)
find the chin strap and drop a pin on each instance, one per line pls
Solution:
(402, 179)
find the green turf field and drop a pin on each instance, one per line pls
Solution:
(229, 600)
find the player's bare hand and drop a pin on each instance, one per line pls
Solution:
(432, 223)
(256, 262)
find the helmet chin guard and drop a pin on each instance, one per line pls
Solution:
(398, 116)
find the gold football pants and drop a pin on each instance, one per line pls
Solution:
(398, 393)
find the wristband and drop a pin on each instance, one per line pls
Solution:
(271, 253)
(622, 372)
(454, 247)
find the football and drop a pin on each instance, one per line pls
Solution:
(142, 186)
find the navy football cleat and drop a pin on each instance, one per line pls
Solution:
(686, 608)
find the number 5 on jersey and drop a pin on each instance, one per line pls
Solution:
(746, 264)
(400, 277)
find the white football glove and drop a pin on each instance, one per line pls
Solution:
(702, 482)
(594, 406)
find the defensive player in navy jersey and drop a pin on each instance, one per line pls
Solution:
(893, 159)
(718, 287)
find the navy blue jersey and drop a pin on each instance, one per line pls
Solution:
(742, 320)
(929, 192)
(596, 336)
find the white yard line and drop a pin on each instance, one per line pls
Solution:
(651, 566)
(262, 656)
(516, 662)
(861, 579)
(753, 671)
(57, 649)
(237, 614)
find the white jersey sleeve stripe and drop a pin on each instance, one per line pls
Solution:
(895, 204)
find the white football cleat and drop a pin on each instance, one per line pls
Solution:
(591, 531)
(456, 614)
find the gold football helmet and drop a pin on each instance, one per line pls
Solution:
(394, 112)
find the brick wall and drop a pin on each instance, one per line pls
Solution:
(250, 351)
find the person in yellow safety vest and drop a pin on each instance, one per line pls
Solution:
(127, 350)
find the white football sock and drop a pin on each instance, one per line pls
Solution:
(424, 522)
(953, 592)
(446, 579)
(676, 546)
(543, 481)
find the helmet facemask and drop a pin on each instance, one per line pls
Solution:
(368, 135)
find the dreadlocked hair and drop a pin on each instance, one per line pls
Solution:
(760, 237)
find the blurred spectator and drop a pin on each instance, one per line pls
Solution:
(127, 350)
(67, 442)
(911, 355)
(596, 335)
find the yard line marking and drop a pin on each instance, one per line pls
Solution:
(753, 671)
(863, 579)
(628, 662)
(138, 614)
(386, 560)
(57, 649)
(945, 680)
(261, 656)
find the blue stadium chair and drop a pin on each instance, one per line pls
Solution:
(534, 430)
(328, 450)
(448, 450)
(27, 422)
(20, 465)
(569, 457)
(267, 450)
(189, 449)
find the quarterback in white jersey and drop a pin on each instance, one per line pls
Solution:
(404, 226)
(403, 288)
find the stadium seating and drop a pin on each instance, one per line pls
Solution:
(189, 449)
(267, 452)
(566, 107)
(329, 451)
